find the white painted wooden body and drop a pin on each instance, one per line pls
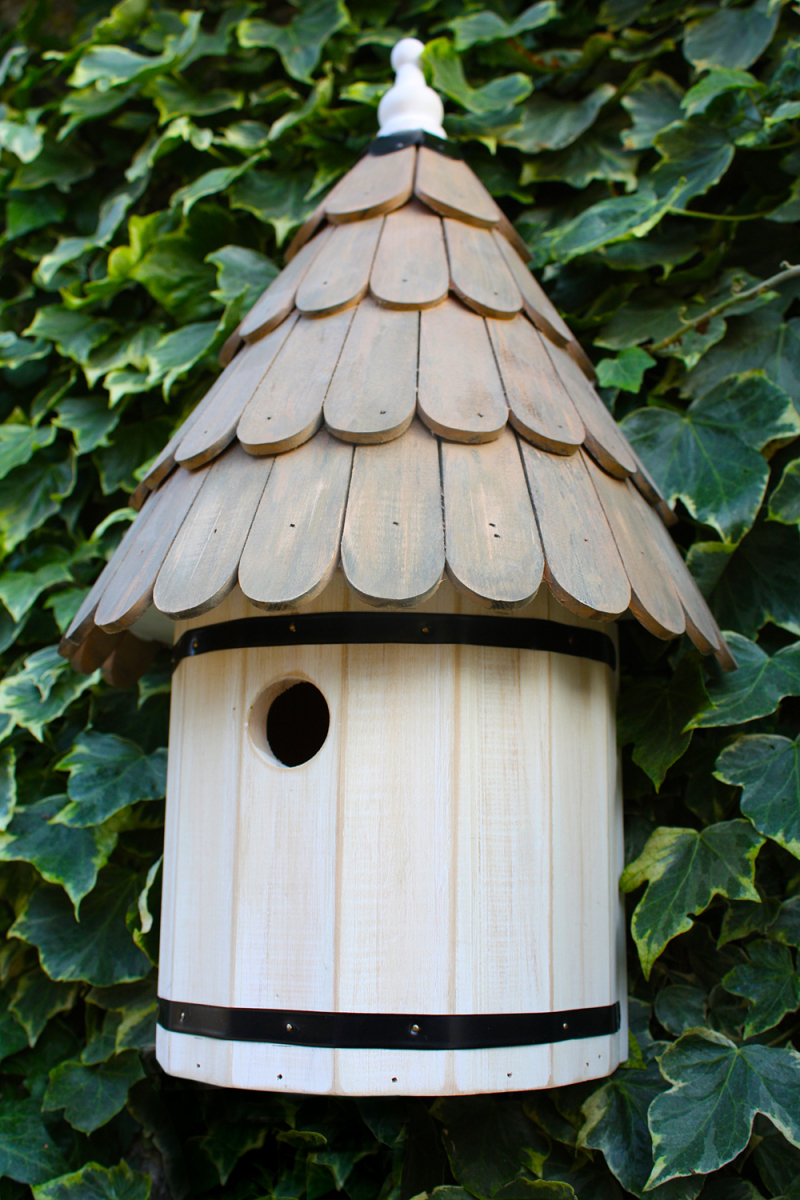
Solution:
(454, 847)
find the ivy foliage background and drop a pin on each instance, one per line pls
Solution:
(154, 161)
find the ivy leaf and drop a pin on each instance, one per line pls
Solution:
(550, 123)
(91, 1096)
(769, 981)
(19, 590)
(128, 448)
(37, 998)
(27, 1153)
(680, 1007)
(684, 871)
(449, 78)
(177, 352)
(616, 1124)
(597, 155)
(174, 97)
(758, 341)
(758, 582)
(488, 1140)
(786, 926)
(654, 103)
(300, 42)
(708, 455)
(277, 198)
(479, 28)
(106, 774)
(784, 503)
(8, 786)
(229, 1141)
(241, 272)
(653, 714)
(617, 222)
(99, 949)
(705, 1119)
(89, 419)
(626, 371)
(42, 690)
(74, 334)
(695, 156)
(767, 768)
(70, 857)
(30, 495)
(93, 1182)
(731, 37)
(698, 98)
(755, 688)
(18, 444)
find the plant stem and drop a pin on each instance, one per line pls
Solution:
(789, 273)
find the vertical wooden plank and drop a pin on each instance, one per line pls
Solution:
(478, 272)
(540, 408)
(130, 591)
(605, 441)
(216, 427)
(583, 567)
(378, 183)
(410, 270)
(493, 548)
(277, 302)
(293, 546)
(393, 539)
(538, 305)
(449, 187)
(501, 862)
(286, 407)
(373, 393)
(393, 895)
(203, 564)
(339, 276)
(460, 394)
(654, 600)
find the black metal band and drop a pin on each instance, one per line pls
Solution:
(386, 1031)
(348, 628)
(413, 137)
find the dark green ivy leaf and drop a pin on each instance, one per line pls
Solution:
(731, 37)
(684, 871)
(767, 768)
(482, 27)
(99, 949)
(653, 714)
(300, 42)
(106, 774)
(37, 998)
(705, 1119)
(769, 981)
(27, 1153)
(755, 688)
(70, 857)
(93, 1182)
(616, 1124)
(784, 503)
(654, 104)
(708, 456)
(488, 1140)
(91, 1096)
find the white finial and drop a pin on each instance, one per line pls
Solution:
(410, 104)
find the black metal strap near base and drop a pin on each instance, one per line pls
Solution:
(386, 1031)
(348, 628)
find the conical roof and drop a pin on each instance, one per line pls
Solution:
(403, 401)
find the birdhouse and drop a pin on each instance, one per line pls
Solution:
(389, 548)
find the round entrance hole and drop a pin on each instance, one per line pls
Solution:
(297, 723)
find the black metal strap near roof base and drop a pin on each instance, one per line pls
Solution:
(354, 628)
(414, 137)
(386, 1031)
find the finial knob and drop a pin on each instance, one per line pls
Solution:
(410, 104)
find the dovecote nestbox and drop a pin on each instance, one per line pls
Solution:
(394, 828)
